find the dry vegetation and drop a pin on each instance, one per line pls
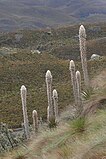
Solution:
(77, 139)
(83, 138)
(21, 67)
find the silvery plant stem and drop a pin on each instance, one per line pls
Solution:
(83, 52)
(73, 79)
(24, 108)
(78, 88)
(35, 120)
(48, 114)
(49, 94)
(55, 100)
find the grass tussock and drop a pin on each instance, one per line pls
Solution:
(78, 125)
(84, 138)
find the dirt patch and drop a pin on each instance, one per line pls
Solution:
(97, 152)
(99, 80)
(91, 107)
(97, 156)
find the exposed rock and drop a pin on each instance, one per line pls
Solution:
(35, 51)
(95, 57)
(18, 37)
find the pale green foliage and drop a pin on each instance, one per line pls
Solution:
(78, 125)
(86, 95)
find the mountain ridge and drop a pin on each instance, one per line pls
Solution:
(40, 14)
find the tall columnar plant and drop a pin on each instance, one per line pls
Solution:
(73, 79)
(24, 108)
(83, 52)
(79, 100)
(35, 121)
(49, 94)
(55, 100)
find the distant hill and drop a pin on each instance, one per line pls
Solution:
(40, 14)
(62, 42)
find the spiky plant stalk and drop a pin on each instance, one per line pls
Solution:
(49, 94)
(35, 121)
(78, 88)
(55, 100)
(83, 52)
(24, 108)
(73, 79)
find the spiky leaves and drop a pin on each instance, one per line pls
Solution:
(24, 108)
(73, 79)
(78, 88)
(49, 94)
(82, 41)
(55, 100)
(35, 120)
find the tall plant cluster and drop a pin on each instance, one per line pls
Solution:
(25, 115)
(52, 97)
(76, 76)
(76, 83)
(52, 109)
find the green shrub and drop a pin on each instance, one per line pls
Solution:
(78, 125)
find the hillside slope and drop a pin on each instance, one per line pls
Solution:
(61, 42)
(29, 69)
(19, 65)
(76, 139)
